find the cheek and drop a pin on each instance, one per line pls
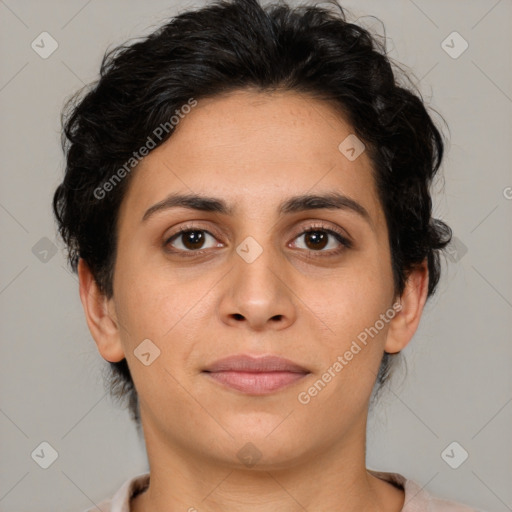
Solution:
(166, 307)
(353, 345)
(152, 307)
(350, 337)
(147, 304)
(352, 333)
(164, 318)
(351, 301)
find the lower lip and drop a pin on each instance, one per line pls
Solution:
(256, 383)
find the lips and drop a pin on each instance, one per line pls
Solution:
(255, 375)
(243, 363)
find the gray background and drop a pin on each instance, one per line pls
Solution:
(458, 386)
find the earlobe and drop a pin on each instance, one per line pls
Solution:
(102, 323)
(412, 301)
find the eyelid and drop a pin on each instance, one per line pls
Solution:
(312, 225)
(184, 229)
(196, 227)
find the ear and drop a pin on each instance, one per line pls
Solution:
(405, 323)
(100, 315)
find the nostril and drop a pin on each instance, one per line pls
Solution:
(238, 316)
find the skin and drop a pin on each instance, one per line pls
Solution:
(306, 304)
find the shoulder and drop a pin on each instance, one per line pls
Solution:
(120, 501)
(417, 499)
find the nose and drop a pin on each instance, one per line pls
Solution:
(258, 294)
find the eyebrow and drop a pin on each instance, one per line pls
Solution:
(328, 201)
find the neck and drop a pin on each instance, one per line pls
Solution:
(333, 478)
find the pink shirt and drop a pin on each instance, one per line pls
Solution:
(416, 498)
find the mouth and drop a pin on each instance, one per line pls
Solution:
(255, 376)
(256, 383)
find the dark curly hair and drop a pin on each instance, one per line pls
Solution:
(231, 45)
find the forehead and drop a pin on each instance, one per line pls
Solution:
(253, 149)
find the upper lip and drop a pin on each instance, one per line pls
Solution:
(246, 363)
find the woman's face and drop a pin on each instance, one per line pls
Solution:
(250, 282)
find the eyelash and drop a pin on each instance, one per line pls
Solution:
(345, 243)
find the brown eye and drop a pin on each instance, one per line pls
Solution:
(189, 240)
(317, 239)
(193, 239)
